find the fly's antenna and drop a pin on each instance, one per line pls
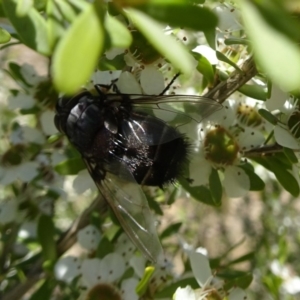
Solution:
(169, 85)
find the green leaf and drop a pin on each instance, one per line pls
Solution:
(225, 59)
(254, 91)
(78, 51)
(210, 36)
(242, 282)
(44, 291)
(199, 193)
(31, 28)
(168, 291)
(165, 44)
(105, 247)
(205, 68)
(144, 282)
(154, 205)
(236, 41)
(290, 154)
(58, 13)
(256, 183)
(14, 70)
(286, 179)
(276, 15)
(4, 36)
(268, 116)
(279, 166)
(172, 229)
(173, 196)
(45, 233)
(275, 52)
(106, 64)
(182, 15)
(215, 187)
(23, 7)
(246, 257)
(119, 34)
(70, 167)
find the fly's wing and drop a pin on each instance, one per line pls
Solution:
(130, 206)
(148, 123)
(190, 107)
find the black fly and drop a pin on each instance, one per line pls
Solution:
(125, 146)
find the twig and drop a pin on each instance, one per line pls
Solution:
(264, 150)
(236, 80)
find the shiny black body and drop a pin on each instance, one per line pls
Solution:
(125, 146)
(101, 128)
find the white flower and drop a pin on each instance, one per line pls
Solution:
(48, 126)
(105, 77)
(108, 270)
(124, 247)
(8, 211)
(83, 182)
(25, 172)
(30, 74)
(277, 99)
(33, 135)
(128, 84)
(67, 268)
(287, 130)
(112, 53)
(128, 289)
(186, 293)
(290, 282)
(89, 237)
(208, 53)
(26, 134)
(28, 230)
(102, 277)
(46, 206)
(229, 17)
(21, 101)
(152, 80)
(210, 287)
(220, 145)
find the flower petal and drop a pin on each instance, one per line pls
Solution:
(186, 293)
(28, 170)
(200, 267)
(236, 182)
(200, 170)
(67, 268)
(250, 138)
(92, 271)
(116, 266)
(128, 289)
(284, 138)
(152, 81)
(89, 237)
(8, 211)
(127, 84)
(47, 123)
(237, 294)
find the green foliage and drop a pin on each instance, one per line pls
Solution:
(78, 37)
(46, 232)
(70, 167)
(30, 26)
(70, 69)
(270, 27)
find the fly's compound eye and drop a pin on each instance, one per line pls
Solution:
(65, 105)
